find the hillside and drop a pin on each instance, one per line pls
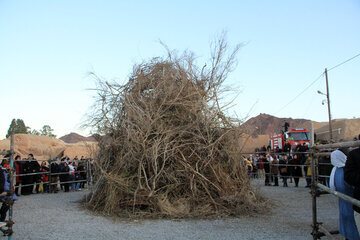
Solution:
(75, 138)
(265, 124)
(343, 130)
(258, 129)
(45, 147)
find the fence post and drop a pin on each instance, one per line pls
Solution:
(11, 176)
(50, 180)
(314, 180)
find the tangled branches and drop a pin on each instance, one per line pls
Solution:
(168, 150)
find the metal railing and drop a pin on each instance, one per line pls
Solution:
(7, 226)
(318, 230)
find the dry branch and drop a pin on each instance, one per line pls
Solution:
(168, 150)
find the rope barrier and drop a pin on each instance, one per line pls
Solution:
(49, 183)
(46, 173)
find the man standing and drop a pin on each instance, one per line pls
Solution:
(31, 167)
(267, 169)
(352, 173)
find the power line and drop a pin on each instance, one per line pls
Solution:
(357, 55)
(336, 66)
(311, 102)
(292, 100)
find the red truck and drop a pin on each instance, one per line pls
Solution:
(298, 135)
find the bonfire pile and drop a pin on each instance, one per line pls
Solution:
(168, 149)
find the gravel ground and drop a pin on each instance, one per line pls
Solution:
(58, 216)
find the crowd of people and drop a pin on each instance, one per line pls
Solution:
(52, 176)
(290, 165)
(296, 162)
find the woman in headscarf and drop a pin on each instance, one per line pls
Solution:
(346, 212)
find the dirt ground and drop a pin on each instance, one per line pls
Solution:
(59, 216)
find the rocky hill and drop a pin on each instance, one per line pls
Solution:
(258, 129)
(265, 124)
(75, 138)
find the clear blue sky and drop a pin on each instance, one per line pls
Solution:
(48, 47)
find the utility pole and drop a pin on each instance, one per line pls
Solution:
(328, 102)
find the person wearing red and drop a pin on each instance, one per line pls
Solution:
(45, 177)
(19, 169)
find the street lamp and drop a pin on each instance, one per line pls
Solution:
(328, 102)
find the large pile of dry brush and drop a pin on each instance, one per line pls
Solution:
(168, 149)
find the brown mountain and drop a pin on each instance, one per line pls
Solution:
(74, 138)
(265, 124)
(342, 129)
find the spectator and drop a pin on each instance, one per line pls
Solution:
(263, 149)
(267, 170)
(307, 170)
(260, 167)
(45, 177)
(65, 171)
(270, 159)
(275, 170)
(287, 146)
(284, 170)
(81, 175)
(347, 223)
(31, 166)
(296, 169)
(54, 169)
(255, 170)
(5, 187)
(61, 174)
(249, 166)
(290, 169)
(72, 168)
(293, 149)
(352, 176)
(19, 169)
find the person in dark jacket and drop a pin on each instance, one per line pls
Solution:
(31, 166)
(81, 171)
(65, 176)
(5, 194)
(287, 147)
(352, 173)
(296, 170)
(61, 175)
(53, 178)
(284, 173)
(267, 170)
(275, 170)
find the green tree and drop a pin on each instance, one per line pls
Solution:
(35, 132)
(47, 131)
(17, 126)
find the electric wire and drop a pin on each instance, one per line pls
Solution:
(292, 100)
(336, 66)
(311, 102)
(348, 60)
